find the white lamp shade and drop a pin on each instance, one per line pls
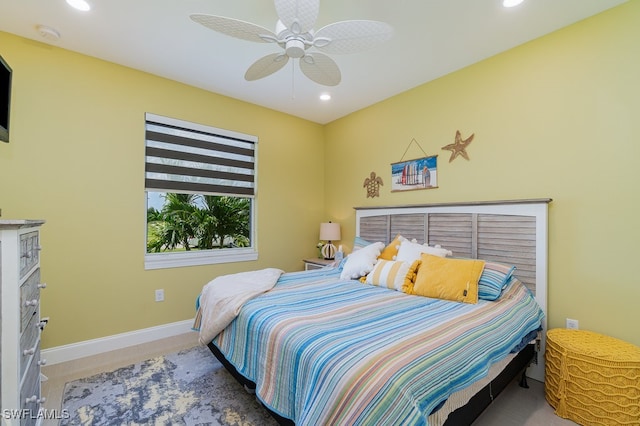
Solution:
(330, 231)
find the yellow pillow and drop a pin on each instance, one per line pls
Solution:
(391, 250)
(407, 285)
(449, 279)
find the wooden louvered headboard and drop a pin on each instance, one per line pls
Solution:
(497, 237)
(510, 232)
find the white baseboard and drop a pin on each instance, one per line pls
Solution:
(91, 347)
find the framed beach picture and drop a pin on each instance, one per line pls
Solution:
(420, 173)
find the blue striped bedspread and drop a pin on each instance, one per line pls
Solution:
(326, 351)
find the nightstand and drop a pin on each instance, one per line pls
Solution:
(316, 263)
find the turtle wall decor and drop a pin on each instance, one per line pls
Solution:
(373, 184)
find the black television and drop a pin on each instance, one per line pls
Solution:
(5, 99)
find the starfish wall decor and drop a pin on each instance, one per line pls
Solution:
(459, 146)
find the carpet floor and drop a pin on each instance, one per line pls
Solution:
(189, 387)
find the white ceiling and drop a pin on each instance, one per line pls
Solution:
(432, 38)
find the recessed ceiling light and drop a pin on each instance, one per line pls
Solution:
(511, 3)
(325, 97)
(79, 4)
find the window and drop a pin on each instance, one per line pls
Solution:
(200, 189)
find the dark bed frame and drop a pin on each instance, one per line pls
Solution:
(462, 416)
(512, 232)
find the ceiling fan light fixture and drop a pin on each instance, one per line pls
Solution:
(295, 48)
(325, 97)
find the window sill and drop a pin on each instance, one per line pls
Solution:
(198, 258)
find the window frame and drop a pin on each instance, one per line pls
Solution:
(203, 257)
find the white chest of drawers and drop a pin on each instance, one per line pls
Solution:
(20, 324)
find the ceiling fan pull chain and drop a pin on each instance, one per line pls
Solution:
(293, 78)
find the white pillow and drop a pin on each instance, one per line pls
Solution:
(361, 262)
(410, 252)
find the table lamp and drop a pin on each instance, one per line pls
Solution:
(329, 232)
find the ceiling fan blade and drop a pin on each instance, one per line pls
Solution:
(265, 66)
(320, 68)
(299, 16)
(235, 28)
(351, 36)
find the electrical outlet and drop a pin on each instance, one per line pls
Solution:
(160, 295)
(572, 324)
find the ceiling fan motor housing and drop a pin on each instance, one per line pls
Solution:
(293, 44)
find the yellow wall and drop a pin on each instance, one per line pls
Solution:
(558, 117)
(76, 159)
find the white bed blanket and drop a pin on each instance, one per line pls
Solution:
(222, 298)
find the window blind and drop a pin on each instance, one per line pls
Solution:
(187, 157)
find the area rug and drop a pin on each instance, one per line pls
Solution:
(189, 387)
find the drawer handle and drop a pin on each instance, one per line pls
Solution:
(28, 352)
(33, 302)
(42, 285)
(27, 254)
(42, 362)
(38, 247)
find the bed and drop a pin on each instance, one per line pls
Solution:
(319, 347)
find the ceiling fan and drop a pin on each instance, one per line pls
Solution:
(294, 33)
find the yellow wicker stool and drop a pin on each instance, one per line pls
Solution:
(592, 379)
